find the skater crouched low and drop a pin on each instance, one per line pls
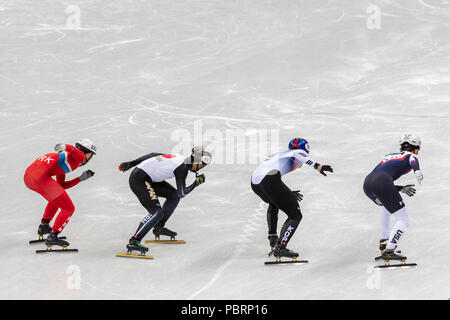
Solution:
(148, 183)
(39, 178)
(267, 184)
(380, 188)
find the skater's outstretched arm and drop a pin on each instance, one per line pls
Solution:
(322, 168)
(125, 166)
(180, 177)
(304, 158)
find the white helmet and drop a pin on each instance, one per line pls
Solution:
(409, 140)
(200, 154)
(86, 146)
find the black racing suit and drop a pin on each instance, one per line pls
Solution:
(148, 192)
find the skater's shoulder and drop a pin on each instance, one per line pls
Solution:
(297, 153)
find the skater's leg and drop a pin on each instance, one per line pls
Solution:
(50, 190)
(153, 217)
(399, 229)
(282, 197)
(385, 220)
(288, 229)
(67, 210)
(381, 189)
(141, 185)
(272, 219)
(166, 190)
(272, 210)
(50, 212)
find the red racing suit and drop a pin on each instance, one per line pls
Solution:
(39, 178)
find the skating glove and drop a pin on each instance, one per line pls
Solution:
(408, 190)
(298, 195)
(200, 179)
(419, 176)
(60, 147)
(125, 166)
(322, 168)
(86, 175)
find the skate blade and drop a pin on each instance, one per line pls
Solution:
(395, 266)
(166, 241)
(131, 255)
(387, 262)
(279, 261)
(41, 239)
(56, 250)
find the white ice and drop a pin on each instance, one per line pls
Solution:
(136, 71)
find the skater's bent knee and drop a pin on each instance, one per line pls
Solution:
(296, 215)
(402, 216)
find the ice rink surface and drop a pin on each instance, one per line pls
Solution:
(135, 72)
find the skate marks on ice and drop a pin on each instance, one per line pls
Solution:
(253, 225)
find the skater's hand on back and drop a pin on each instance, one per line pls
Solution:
(298, 195)
(60, 147)
(408, 190)
(324, 167)
(125, 166)
(86, 175)
(200, 179)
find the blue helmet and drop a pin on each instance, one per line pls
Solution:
(299, 143)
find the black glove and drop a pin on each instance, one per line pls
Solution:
(199, 179)
(86, 175)
(298, 195)
(324, 168)
(408, 189)
(125, 166)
